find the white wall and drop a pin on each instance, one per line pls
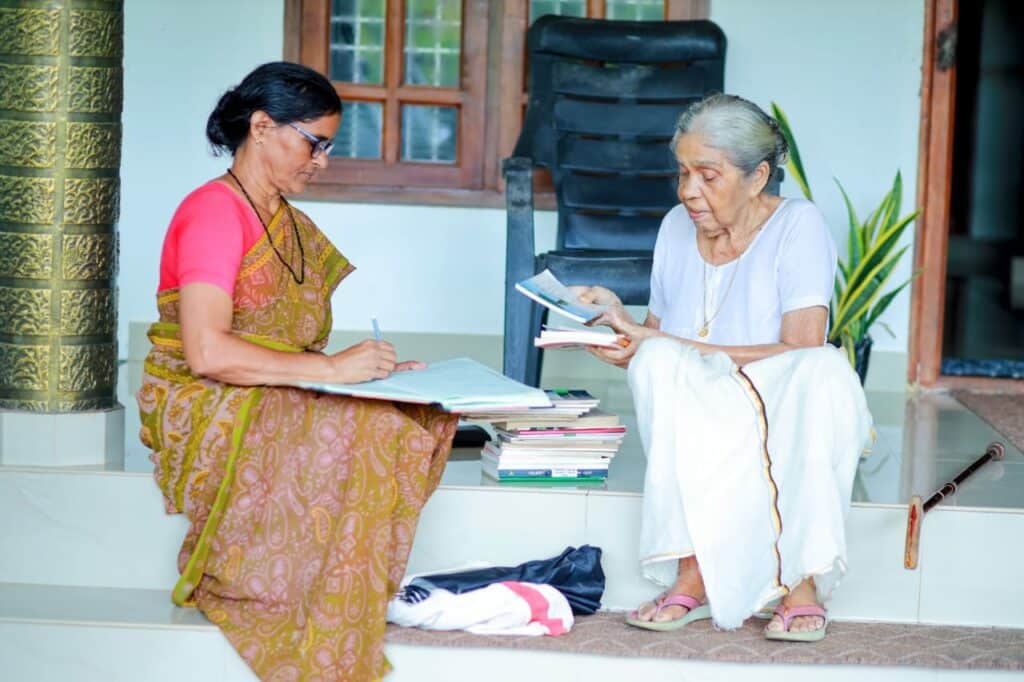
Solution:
(846, 73)
(848, 76)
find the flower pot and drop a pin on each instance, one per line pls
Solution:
(861, 356)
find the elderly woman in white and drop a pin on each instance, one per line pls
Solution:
(752, 425)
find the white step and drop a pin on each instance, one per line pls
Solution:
(56, 634)
(106, 529)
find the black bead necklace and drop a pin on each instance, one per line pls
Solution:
(301, 277)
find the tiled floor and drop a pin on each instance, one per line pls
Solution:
(922, 442)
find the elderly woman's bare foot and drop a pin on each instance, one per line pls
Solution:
(803, 594)
(688, 582)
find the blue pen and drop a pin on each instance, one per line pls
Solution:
(376, 329)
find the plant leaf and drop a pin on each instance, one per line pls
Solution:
(883, 303)
(871, 224)
(896, 197)
(854, 238)
(849, 345)
(794, 164)
(843, 270)
(857, 300)
(878, 252)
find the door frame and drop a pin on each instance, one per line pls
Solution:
(934, 185)
(934, 188)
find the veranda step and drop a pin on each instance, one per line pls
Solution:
(58, 633)
(105, 529)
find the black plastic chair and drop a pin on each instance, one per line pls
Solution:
(604, 97)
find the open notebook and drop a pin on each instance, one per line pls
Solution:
(458, 385)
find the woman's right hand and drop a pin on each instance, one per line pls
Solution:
(615, 315)
(364, 361)
(596, 295)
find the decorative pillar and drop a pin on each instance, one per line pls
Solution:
(61, 90)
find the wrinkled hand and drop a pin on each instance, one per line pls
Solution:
(618, 319)
(619, 357)
(615, 316)
(596, 295)
(364, 361)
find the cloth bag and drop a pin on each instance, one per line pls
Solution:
(576, 573)
(505, 608)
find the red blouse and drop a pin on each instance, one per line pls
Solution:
(209, 234)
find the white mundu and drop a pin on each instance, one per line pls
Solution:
(790, 264)
(751, 469)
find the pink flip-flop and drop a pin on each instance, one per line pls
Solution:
(787, 614)
(697, 611)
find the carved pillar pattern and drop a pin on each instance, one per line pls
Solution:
(61, 90)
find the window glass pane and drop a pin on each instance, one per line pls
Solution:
(433, 39)
(636, 10)
(359, 136)
(429, 133)
(357, 41)
(569, 8)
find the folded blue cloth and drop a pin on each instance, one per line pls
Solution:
(576, 573)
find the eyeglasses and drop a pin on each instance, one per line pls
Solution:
(318, 145)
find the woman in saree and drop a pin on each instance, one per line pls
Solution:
(751, 424)
(302, 506)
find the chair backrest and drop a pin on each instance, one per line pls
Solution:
(604, 97)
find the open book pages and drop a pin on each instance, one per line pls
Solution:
(578, 338)
(544, 288)
(460, 385)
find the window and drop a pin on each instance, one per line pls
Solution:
(434, 90)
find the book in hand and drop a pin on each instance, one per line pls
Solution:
(544, 288)
(559, 338)
(459, 385)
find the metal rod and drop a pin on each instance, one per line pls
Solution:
(917, 510)
(995, 451)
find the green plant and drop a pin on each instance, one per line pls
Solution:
(871, 254)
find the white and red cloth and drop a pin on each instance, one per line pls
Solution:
(506, 608)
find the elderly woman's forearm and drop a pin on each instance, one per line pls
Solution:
(743, 355)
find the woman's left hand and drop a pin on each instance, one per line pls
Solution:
(407, 365)
(620, 357)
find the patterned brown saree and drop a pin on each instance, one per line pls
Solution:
(302, 505)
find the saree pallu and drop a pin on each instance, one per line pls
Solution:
(749, 469)
(302, 506)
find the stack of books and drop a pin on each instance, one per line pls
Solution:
(573, 440)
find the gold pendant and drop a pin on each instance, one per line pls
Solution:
(703, 332)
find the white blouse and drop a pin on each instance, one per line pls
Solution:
(791, 264)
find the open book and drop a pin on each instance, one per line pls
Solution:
(459, 385)
(544, 288)
(558, 337)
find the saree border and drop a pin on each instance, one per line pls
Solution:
(762, 418)
(196, 565)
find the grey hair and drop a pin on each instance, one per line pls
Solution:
(739, 128)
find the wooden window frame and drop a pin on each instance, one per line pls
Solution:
(491, 99)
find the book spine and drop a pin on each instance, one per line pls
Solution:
(552, 473)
